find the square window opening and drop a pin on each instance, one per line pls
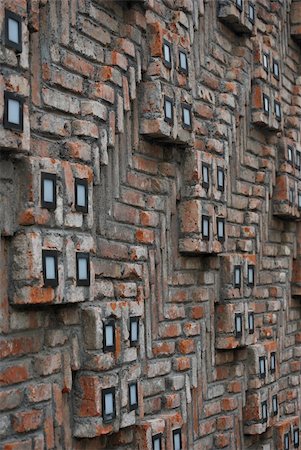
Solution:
(13, 111)
(48, 190)
(168, 110)
(109, 336)
(108, 405)
(13, 31)
(206, 228)
(50, 267)
(82, 269)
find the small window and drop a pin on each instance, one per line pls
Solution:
(13, 31)
(251, 324)
(50, 267)
(298, 159)
(251, 13)
(251, 275)
(286, 441)
(177, 439)
(265, 61)
(264, 412)
(276, 71)
(82, 269)
(266, 104)
(220, 224)
(239, 4)
(81, 195)
(277, 107)
(157, 442)
(291, 196)
(13, 111)
(205, 176)
(133, 396)
(108, 405)
(275, 405)
(262, 368)
(296, 437)
(238, 325)
(186, 116)
(109, 336)
(237, 277)
(205, 228)
(299, 200)
(134, 331)
(290, 154)
(183, 62)
(167, 54)
(273, 362)
(48, 190)
(220, 179)
(168, 110)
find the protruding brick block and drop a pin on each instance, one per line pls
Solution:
(267, 108)
(28, 270)
(162, 115)
(237, 16)
(256, 412)
(263, 364)
(234, 325)
(287, 197)
(239, 274)
(284, 432)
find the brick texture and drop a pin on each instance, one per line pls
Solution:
(150, 238)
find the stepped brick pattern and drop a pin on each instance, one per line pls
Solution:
(150, 234)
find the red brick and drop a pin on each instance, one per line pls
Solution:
(229, 404)
(145, 165)
(104, 92)
(27, 421)
(78, 64)
(90, 404)
(224, 422)
(39, 392)
(197, 312)
(49, 431)
(207, 427)
(14, 374)
(212, 409)
(149, 219)
(125, 213)
(186, 346)
(181, 363)
(58, 402)
(19, 346)
(168, 330)
(145, 236)
(127, 46)
(163, 348)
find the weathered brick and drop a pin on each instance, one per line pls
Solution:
(48, 364)
(27, 420)
(95, 78)
(39, 393)
(10, 399)
(14, 374)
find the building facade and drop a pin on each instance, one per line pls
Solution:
(150, 237)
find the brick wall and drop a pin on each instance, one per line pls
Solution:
(150, 198)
